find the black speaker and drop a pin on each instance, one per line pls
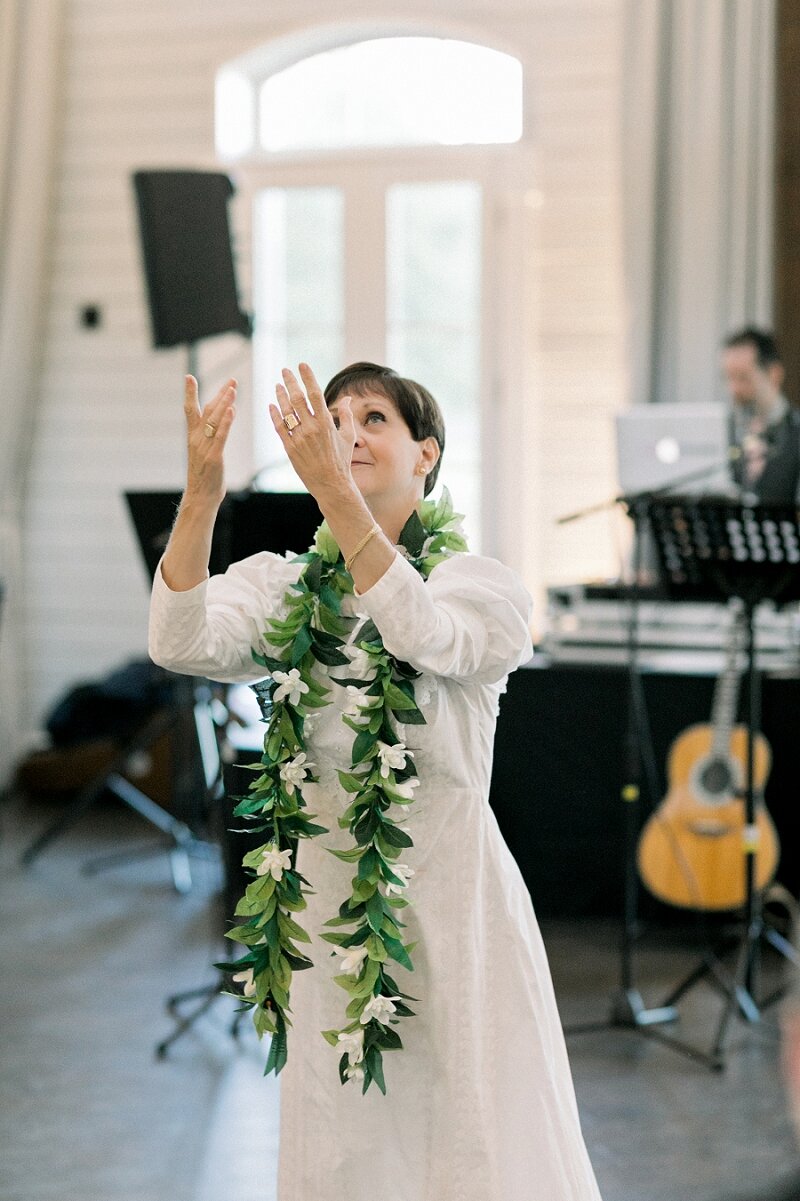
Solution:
(188, 261)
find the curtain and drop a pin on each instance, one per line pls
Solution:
(697, 132)
(30, 45)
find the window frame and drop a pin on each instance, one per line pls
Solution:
(365, 176)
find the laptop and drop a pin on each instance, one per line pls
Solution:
(658, 444)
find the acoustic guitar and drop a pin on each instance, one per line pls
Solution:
(691, 851)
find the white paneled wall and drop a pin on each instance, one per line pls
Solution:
(138, 92)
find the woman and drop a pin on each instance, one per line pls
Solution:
(480, 1104)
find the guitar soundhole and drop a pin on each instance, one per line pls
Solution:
(717, 778)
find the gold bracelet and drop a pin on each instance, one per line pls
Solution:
(348, 563)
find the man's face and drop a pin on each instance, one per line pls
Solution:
(747, 383)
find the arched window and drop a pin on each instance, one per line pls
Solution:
(367, 243)
(388, 91)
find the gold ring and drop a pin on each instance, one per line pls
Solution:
(291, 421)
(209, 429)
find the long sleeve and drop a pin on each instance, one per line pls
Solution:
(210, 630)
(469, 621)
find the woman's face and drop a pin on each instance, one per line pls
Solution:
(386, 463)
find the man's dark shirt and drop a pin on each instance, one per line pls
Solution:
(779, 482)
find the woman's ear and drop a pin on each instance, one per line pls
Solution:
(429, 455)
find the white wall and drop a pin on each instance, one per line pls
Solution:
(138, 92)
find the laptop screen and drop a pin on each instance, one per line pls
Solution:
(658, 444)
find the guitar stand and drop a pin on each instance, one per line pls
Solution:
(713, 549)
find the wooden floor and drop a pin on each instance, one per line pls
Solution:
(89, 1113)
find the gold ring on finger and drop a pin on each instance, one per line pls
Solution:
(291, 421)
(209, 429)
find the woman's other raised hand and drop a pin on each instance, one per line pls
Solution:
(207, 432)
(185, 562)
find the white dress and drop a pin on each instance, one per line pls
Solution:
(480, 1104)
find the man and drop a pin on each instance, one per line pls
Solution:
(763, 424)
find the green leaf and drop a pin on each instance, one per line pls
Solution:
(389, 1039)
(334, 624)
(330, 658)
(412, 535)
(376, 949)
(374, 1063)
(364, 889)
(365, 828)
(369, 863)
(369, 632)
(302, 643)
(397, 699)
(375, 722)
(351, 782)
(363, 746)
(356, 1007)
(290, 928)
(375, 912)
(312, 576)
(351, 856)
(331, 599)
(325, 544)
(298, 963)
(276, 1059)
(336, 939)
(414, 717)
(331, 1036)
(394, 836)
(398, 952)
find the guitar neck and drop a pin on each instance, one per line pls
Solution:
(726, 691)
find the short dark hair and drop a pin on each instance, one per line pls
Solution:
(414, 403)
(762, 340)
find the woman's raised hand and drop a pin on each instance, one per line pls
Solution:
(207, 432)
(319, 451)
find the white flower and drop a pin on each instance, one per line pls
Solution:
(356, 1073)
(290, 685)
(274, 862)
(404, 873)
(379, 1008)
(392, 757)
(353, 1045)
(248, 980)
(361, 663)
(405, 788)
(294, 771)
(357, 699)
(352, 958)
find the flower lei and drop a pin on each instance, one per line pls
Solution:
(382, 776)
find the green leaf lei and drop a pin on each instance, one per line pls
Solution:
(380, 783)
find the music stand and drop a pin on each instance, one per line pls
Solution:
(715, 549)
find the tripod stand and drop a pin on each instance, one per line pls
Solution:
(628, 1010)
(714, 549)
(175, 705)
